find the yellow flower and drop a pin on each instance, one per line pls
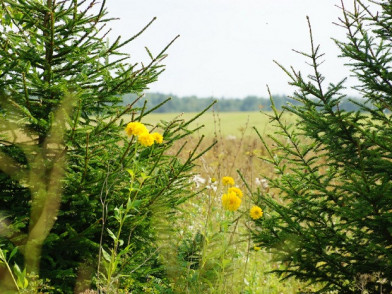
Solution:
(231, 201)
(228, 181)
(236, 190)
(135, 128)
(256, 212)
(157, 137)
(256, 248)
(146, 139)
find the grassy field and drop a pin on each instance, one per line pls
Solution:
(224, 124)
(227, 259)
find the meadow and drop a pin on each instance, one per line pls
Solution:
(227, 124)
(98, 197)
(215, 248)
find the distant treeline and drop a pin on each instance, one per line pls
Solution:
(196, 104)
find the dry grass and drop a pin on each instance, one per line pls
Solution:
(229, 262)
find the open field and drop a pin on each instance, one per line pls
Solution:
(225, 124)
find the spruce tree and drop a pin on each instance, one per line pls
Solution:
(329, 220)
(66, 165)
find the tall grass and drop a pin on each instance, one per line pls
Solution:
(211, 251)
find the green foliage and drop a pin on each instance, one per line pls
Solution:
(80, 200)
(190, 251)
(331, 220)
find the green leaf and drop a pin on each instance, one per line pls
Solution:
(13, 252)
(3, 255)
(111, 234)
(106, 255)
(131, 173)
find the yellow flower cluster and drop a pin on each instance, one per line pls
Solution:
(256, 212)
(144, 137)
(233, 198)
(229, 181)
(135, 128)
(236, 190)
(157, 137)
(231, 201)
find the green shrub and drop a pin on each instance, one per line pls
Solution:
(79, 199)
(330, 219)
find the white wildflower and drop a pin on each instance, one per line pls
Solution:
(211, 187)
(261, 182)
(264, 183)
(212, 184)
(198, 180)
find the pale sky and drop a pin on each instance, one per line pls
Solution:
(227, 47)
